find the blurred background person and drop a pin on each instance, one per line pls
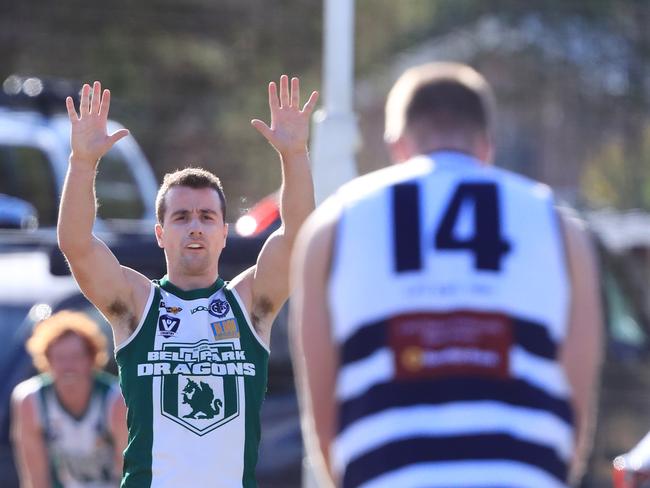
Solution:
(446, 318)
(69, 422)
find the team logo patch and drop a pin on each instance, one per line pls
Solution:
(167, 326)
(219, 308)
(191, 396)
(201, 399)
(225, 329)
(173, 310)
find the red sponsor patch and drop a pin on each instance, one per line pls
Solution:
(432, 345)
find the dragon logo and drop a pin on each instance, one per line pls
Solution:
(201, 402)
(200, 397)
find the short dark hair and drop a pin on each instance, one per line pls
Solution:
(196, 178)
(439, 97)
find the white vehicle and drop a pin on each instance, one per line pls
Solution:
(34, 150)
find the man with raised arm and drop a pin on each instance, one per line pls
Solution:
(192, 350)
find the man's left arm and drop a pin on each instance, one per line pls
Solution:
(265, 287)
(582, 351)
(118, 429)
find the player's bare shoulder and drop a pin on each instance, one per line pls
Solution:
(123, 314)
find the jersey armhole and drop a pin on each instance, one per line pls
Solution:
(145, 312)
(335, 267)
(41, 415)
(560, 226)
(249, 323)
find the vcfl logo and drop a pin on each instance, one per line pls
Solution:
(167, 326)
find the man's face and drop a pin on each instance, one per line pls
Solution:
(193, 233)
(70, 361)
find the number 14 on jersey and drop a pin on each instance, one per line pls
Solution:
(486, 242)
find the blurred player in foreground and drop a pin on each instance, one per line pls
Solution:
(446, 318)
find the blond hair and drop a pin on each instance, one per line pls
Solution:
(62, 324)
(442, 97)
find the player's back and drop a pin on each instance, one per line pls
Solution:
(449, 296)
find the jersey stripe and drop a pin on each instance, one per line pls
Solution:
(138, 455)
(394, 455)
(461, 418)
(468, 474)
(254, 395)
(393, 395)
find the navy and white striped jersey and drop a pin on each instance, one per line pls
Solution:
(449, 298)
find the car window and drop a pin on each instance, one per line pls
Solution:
(25, 173)
(117, 190)
(10, 318)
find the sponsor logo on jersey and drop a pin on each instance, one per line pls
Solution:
(219, 308)
(200, 382)
(434, 345)
(167, 326)
(225, 329)
(200, 308)
(173, 310)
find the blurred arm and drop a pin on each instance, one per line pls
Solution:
(118, 429)
(314, 353)
(29, 446)
(583, 347)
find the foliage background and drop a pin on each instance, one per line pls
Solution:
(188, 76)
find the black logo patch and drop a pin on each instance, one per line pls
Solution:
(219, 308)
(167, 326)
(173, 310)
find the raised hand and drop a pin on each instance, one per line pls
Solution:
(89, 139)
(289, 130)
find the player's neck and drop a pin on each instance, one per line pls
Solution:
(187, 282)
(74, 397)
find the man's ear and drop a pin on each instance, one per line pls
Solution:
(225, 234)
(401, 150)
(158, 230)
(485, 149)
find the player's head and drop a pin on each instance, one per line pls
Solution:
(191, 213)
(439, 106)
(68, 345)
(196, 178)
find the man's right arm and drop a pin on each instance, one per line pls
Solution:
(27, 438)
(118, 292)
(313, 348)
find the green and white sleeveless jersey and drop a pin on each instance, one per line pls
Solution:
(79, 448)
(193, 375)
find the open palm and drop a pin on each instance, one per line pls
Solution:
(89, 139)
(289, 129)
